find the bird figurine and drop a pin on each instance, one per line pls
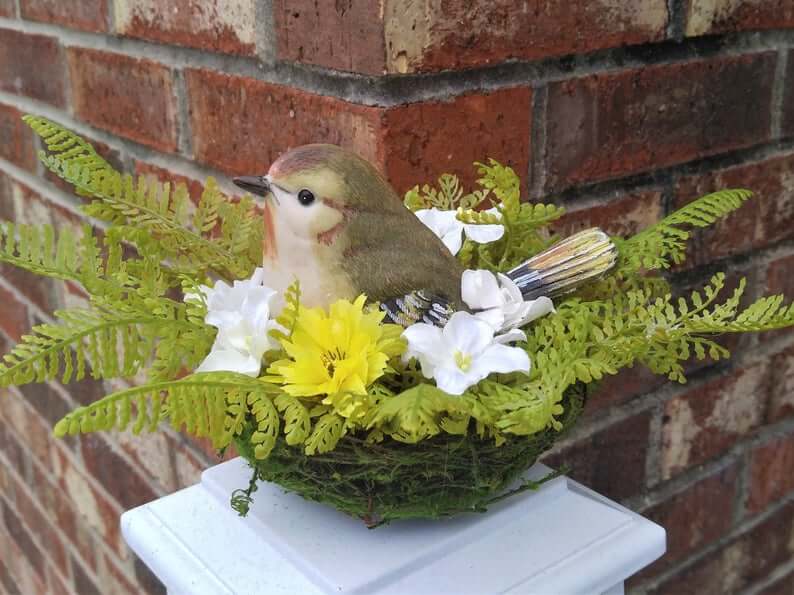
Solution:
(336, 225)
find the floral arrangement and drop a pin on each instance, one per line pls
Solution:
(337, 404)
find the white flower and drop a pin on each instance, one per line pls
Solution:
(447, 226)
(499, 300)
(241, 313)
(464, 352)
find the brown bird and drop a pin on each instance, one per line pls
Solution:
(337, 226)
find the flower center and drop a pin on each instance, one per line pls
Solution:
(331, 357)
(463, 360)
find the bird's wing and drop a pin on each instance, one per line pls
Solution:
(418, 306)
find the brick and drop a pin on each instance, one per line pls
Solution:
(612, 460)
(347, 35)
(770, 479)
(711, 17)
(781, 396)
(45, 532)
(739, 563)
(83, 581)
(56, 583)
(694, 517)
(13, 316)
(787, 123)
(28, 579)
(782, 586)
(86, 15)
(7, 581)
(150, 453)
(114, 580)
(55, 501)
(623, 216)
(12, 451)
(439, 36)
(127, 96)
(21, 536)
(418, 139)
(609, 125)
(227, 26)
(32, 65)
(6, 198)
(17, 146)
(241, 125)
(764, 220)
(36, 435)
(705, 420)
(51, 405)
(93, 510)
(195, 187)
(780, 276)
(123, 482)
(399, 37)
(621, 388)
(8, 8)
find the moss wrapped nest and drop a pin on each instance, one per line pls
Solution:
(381, 482)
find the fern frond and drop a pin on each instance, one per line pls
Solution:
(664, 244)
(142, 204)
(289, 314)
(111, 343)
(212, 405)
(297, 423)
(40, 250)
(329, 429)
(67, 149)
(448, 196)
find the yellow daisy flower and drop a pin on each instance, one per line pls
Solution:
(339, 352)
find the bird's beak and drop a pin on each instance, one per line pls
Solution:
(258, 185)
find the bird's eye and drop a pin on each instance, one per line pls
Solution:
(305, 197)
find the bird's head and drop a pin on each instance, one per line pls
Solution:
(317, 189)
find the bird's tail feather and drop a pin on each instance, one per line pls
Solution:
(566, 265)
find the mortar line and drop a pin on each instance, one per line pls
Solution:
(778, 93)
(537, 169)
(676, 23)
(392, 90)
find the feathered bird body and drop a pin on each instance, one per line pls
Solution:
(337, 226)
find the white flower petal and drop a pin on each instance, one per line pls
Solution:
(453, 240)
(453, 380)
(466, 333)
(534, 309)
(424, 342)
(445, 225)
(509, 288)
(483, 234)
(480, 289)
(510, 336)
(495, 317)
(230, 360)
(502, 359)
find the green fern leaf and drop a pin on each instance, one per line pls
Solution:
(327, 432)
(297, 423)
(664, 244)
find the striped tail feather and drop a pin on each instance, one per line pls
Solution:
(566, 265)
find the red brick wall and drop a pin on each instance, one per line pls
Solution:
(620, 110)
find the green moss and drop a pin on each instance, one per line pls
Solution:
(381, 482)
